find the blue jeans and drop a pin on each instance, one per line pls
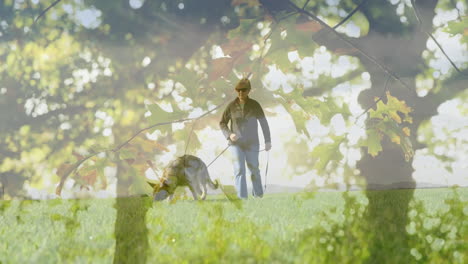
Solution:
(242, 156)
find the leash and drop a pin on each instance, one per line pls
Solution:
(218, 156)
(266, 169)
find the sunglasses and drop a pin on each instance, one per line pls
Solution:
(242, 90)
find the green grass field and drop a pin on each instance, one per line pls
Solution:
(282, 228)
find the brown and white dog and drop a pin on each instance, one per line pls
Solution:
(188, 171)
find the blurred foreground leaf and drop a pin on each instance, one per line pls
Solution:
(231, 194)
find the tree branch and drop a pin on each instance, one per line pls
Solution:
(77, 164)
(376, 101)
(443, 51)
(45, 11)
(350, 14)
(426, 106)
(165, 123)
(362, 52)
(305, 5)
(418, 17)
(265, 39)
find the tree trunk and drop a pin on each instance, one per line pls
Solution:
(131, 234)
(387, 212)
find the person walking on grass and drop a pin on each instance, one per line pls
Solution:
(242, 134)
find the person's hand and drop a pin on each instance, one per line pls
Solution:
(233, 137)
(268, 146)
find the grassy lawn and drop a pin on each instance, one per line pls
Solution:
(279, 228)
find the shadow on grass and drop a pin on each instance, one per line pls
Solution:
(131, 233)
(386, 219)
(388, 226)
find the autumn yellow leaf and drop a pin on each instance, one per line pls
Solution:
(407, 148)
(406, 131)
(396, 104)
(395, 139)
(395, 116)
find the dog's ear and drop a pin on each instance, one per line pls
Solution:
(169, 184)
(151, 184)
(171, 181)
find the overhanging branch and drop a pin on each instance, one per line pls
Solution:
(75, 166)
(350, 43)
(418, 17)
(45, 11)
(165, 123)
(350, 14)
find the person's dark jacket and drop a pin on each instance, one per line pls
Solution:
(244, 124)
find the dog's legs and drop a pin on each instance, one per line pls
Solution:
(170, 198)
(203, 196)
(193, 179)
(193, 192)
(198, 191)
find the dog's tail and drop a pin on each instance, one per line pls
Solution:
(213, 185)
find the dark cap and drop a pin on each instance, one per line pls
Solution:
(244, 83)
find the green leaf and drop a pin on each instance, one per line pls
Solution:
(183, 136)
(395, 133)
(391, 109)
(330, 108)
(187, 78)
(300, 35)
(390, 128)
(148, 146)
(280, 58)
(372, 142)
(158, 115)
(245, 26)
(327, 153)
(278, 51)
(407, 148)
(126, 153)
(361, 21)
(96, 148)
(231, 194)
(457, 27)
(298, 116)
